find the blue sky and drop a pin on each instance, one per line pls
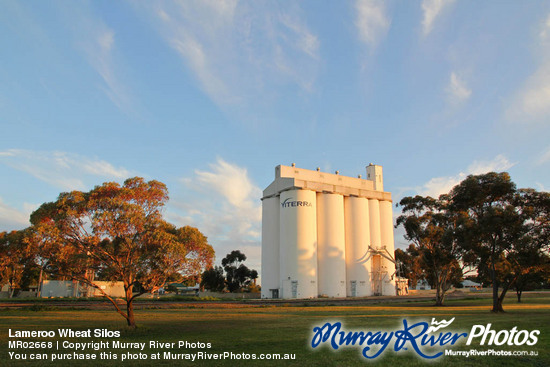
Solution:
(209, 96)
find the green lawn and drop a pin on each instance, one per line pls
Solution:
(284, 329)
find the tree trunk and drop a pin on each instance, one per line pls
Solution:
(518, 293)
(501, 300)
(130, 308)
(130, 313)
(39, 290)
(497, 306)
(440, 291)
(505, 289)
(439, 299)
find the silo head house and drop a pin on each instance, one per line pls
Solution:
(327, 235)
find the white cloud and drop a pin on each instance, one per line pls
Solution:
(14, 219)
(441, 185)
(545, 29)
(193, 52)
(302, 38)
(457, 91)
(225, 205)
(498, 164)
(531, 103)
(93, 39)
(544, 157)
(432, 9)
(371, 21)
(66, 171)
(238, 51)
(231, 182)
(98, 45)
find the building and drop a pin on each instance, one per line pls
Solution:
(422, 285)
(181, 288)
(73, 288)
(472, 286)
(326, 235)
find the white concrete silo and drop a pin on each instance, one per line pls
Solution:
(326, 234)
(386, 230)
(298, 244)
(270, 247)
(331, 245)
(374, 223)
(358, 262)
(375, 240)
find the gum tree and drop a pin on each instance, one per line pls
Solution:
(118, 232)
(508, 229)
(18, 265)
(237, 274)
(430, 226)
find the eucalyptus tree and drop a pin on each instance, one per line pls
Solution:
(508, 229)
(118, 231)
(430, 226)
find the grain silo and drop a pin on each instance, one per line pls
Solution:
(326, 235)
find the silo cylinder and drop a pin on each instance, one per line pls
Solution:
(298, 244)
(331, 245)
(374, 226)
(270, 247)
(386, 226)
(374, 223)
(358, 263)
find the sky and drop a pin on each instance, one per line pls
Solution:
(209, 96)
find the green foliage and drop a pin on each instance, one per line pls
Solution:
(506, 228)
(118, 233)
(483, 222)
(18, 260)
(237, 274)
(409, 264)
(434, 254)
(213, 279)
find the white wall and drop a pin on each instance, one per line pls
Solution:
(298, 246)
(331, 252)
(324, 234)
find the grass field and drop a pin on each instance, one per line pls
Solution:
(243, 328)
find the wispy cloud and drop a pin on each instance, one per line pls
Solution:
(457, 90)
(99, 53)
(371, 21)
(544, 157)
(97, 43)
(441, 185)
(225, 204)
(98, 46)
(66, 171)
(237, 50)
(12, 218)
(432, 9)
(544, 33)
(532, 102)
